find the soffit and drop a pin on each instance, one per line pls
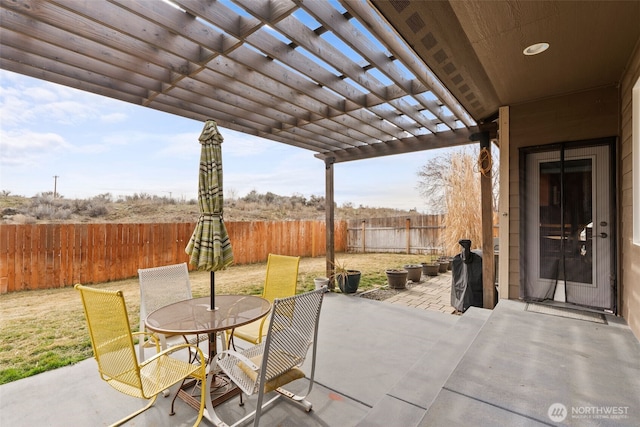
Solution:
(475, 47)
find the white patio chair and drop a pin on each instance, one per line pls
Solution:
(275, 362)
(160, 286)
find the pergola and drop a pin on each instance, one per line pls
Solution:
(345, 79)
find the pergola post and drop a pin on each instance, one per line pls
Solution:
(486, 194)
(329, 220)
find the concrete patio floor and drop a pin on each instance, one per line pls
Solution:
(388, 363)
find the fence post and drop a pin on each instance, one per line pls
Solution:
(408, 231)
(364, 245)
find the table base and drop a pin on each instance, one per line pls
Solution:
(221, 390)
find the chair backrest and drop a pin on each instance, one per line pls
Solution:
(160, 286)
(110, 332)
(292, 330)
(282, 277)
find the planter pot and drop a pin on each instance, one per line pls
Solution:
(442, 266)
(430, 269)
(415, 272)
(319, 282)
(397, 278)
(448, 260)
(348, 283)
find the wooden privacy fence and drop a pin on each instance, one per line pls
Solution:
(417, 234)
(40, 256)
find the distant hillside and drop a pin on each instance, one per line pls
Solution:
(44, 208)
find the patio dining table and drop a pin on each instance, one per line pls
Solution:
(194, 316)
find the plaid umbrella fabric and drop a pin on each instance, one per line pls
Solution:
(209, 248)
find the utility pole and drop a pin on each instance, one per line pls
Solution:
(55, 185)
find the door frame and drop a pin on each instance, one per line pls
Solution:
(524, 216)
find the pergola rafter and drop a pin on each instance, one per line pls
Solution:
(328, 77)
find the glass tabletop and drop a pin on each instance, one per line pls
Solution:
(193, 316)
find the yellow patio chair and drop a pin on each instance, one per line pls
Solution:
(276, 361)
(160, 286)
(281, 281)
(114, 350)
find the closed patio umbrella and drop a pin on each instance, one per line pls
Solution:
(209, 248)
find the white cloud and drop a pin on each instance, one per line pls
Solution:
(13, 109)
(39, 94)
(67, 112)
(113, 118)
(27, 147)
(181, 145)
(237, 144)
(36, 100)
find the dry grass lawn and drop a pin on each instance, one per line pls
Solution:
(45, 329)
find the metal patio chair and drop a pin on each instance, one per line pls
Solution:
(114, 350)
(276, 361)
(281, 281)
(160, 286)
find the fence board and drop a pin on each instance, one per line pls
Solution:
(39, 267)
(53, 241)
(21, 265)
(63, 255)
(7, 257)
(83, 254)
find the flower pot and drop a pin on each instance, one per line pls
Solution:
(349, 282)
(415, 272)
(442, 266)
(319, 282)
(397, 278)
(448, 260)
(430, 269)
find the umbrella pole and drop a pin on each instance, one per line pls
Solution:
(212, 281)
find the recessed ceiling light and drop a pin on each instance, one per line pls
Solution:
(535, 49)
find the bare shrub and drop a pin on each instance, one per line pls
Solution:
(104, 197)
(97, 209)
(80, 205)
(61, 214)
(43, 211)
(317, 202)
(22, 219)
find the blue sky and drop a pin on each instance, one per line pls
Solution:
(98, 145)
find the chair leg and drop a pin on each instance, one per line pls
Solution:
(135, 414)
(203, 398)
(301, 400)
(256, 419)
(173, 401)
